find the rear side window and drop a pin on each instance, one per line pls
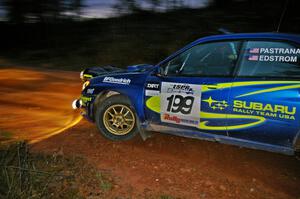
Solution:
(270, 59)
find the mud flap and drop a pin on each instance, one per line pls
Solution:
(144, 134)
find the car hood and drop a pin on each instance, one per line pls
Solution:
(92, 72)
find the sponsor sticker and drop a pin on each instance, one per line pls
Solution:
(152, 93)
(177, 120)
(152, 86)
(216, 104)
(180, 103)
(114, 80)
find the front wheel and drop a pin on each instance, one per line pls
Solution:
(116, 118)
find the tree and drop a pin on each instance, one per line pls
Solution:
(127, 6)
(173, 4)
(154, 4)
(21, 11)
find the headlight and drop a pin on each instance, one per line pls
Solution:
(81, 75)
(85, 84)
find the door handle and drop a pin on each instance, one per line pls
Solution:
(212, 86)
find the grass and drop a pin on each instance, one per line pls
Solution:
(165, 197)
(25, 175)
(104, 184)
(5, 134)
(35, 176)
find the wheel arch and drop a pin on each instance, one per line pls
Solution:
(135, 101)
(101, 96)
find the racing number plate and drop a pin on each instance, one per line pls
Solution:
(180, 103)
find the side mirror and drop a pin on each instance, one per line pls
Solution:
(160, 72)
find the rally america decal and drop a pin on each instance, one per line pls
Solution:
(180, 103)
(274, 54)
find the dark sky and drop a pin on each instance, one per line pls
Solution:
(103, 8)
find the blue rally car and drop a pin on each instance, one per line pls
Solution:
(240, 89)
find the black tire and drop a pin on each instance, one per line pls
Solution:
(101, 122)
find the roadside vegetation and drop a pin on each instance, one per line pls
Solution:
(26, 175)
(43, 176)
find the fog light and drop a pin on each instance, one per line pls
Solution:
(81, 75)
(76, 104)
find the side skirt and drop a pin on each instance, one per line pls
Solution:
(221, 139)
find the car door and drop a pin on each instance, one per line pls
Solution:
(265, 95)
(191, 94)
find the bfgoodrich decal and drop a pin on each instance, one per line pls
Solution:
(116, 80)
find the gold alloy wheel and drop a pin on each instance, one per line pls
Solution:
(118, 119)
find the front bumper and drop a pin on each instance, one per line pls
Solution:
(85, 104)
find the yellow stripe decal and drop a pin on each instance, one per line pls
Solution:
(153, 104)
(206, 88)
(203, 125)
(88, 76)
(270, 90)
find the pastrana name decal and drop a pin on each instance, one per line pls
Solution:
(285, 51)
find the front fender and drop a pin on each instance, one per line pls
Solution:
(134, 91)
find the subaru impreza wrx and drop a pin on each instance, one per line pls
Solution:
(240, 89)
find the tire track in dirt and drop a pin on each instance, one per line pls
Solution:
(36, 104)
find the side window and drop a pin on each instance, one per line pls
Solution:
(270, 59)
(210, 59)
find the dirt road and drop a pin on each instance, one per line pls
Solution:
(36, 104)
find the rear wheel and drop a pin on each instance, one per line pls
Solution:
(116, 118)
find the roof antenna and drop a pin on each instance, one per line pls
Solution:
(224, 31)
(282, 15)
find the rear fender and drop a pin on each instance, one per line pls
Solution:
(297, 142)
